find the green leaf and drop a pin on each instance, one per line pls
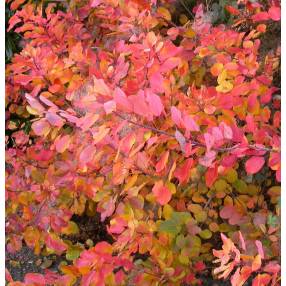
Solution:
(240, 186)
(174, 224)
(272, 220)
(170, 226)
(73, 252)
(205, 234)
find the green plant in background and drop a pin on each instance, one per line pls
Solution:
(12, 39)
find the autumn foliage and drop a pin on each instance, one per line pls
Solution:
(170, 132)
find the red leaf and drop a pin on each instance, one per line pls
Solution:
(16, 4)
(199, 266)
(161, 165)
(55, 243)
(139, 103)
(261, 279)
(275, 13)
(13, 21)
(182, 173)
(211, 176)
(262, 16)
(254, 164)
(162, 193)
(35, 279)
(232, 10)
(8, 276)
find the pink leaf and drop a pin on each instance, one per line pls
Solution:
(190, 123)
(254, 164)
(35, 279)
(87, 154)
(176, 116)
(156, 82)
(87, 121)
(62, 143)
(55, 119)
(55, 243)
(181, 139)
(259, 248)
(209, 141)
(121, 100)
(208, 159)
(242, 241)
(95, 3)
(272, 267)
(34, 103)
(41, 127)
(170, 64)
(139, 103)
(227, 212)
(275, 13)
(227, 131)
(109, 106)
(155, 104)
(162, 194)
(100, 87)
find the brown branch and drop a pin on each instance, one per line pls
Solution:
(194, 143)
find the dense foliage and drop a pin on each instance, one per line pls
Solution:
(170, 131)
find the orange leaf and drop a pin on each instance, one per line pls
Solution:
(162, 193)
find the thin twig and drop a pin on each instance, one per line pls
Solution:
(194, 143)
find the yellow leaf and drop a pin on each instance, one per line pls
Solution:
(183, 19)
(231, 176)
(220, 185)
(32, 110)
(190, 33)
(167, 211)
(201, 216)
(224, 87)
(184, 259)
(195, 208)
(130, 182)
(164, 13)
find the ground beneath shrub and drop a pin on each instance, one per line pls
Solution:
(25, 261)
(90, 228)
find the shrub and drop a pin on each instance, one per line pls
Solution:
(170, 133)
